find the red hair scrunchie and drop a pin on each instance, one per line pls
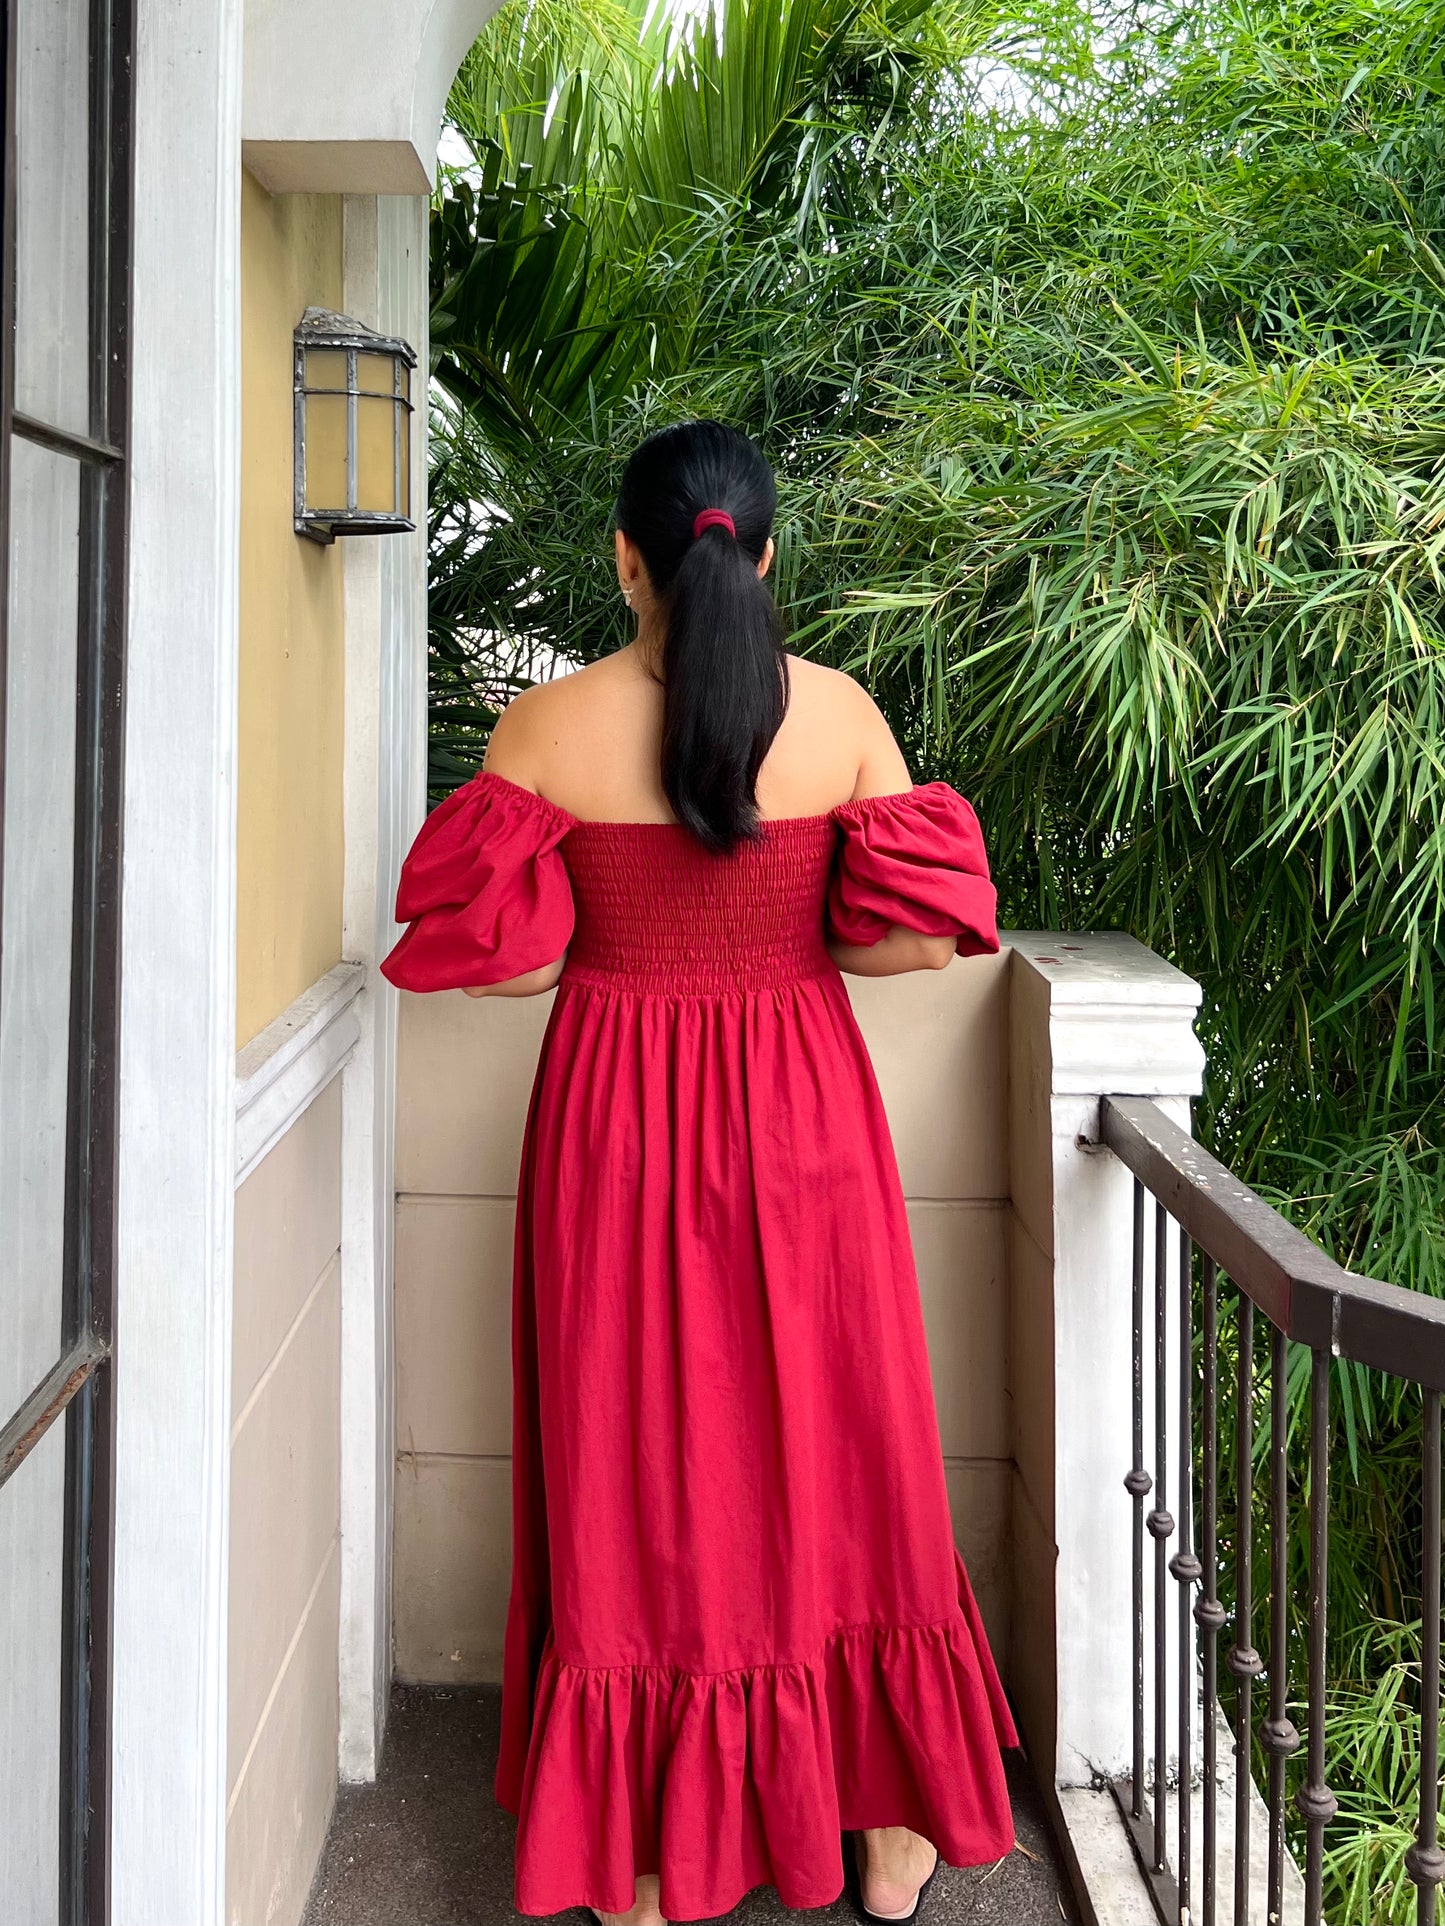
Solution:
(713, 518)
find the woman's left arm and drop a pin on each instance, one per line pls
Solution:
(900, 950)
(882, 771)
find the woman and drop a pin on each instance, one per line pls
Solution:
(738, 1623)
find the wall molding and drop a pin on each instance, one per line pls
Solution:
(281, 1072)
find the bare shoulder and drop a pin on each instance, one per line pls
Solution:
(823, 684)
(540, 720)
(841, 696)
(837, 704)
(512, 747)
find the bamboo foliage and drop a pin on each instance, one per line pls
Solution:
(610, 149)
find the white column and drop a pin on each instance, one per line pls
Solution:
(1092, 1015)
(178, 998)
(385, 792)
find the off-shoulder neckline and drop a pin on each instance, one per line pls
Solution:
(769, 822)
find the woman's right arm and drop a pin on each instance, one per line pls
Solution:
(532, 984)
(510, 754)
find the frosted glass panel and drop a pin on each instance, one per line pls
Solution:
(326, 369)
(326, 451)
(375, 374)
(38, 879)
(32, 1516)
(376, 454)
(52, 321)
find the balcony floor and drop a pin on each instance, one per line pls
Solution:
(427, 1845)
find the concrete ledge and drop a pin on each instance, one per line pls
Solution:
(1118, 1013)
(1111, 1888)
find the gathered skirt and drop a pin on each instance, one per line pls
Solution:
(738, 1621)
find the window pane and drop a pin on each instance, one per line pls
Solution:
(32, 1521)
(35, 933)
(52, 265)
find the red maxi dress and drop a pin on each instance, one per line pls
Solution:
(738, 1621)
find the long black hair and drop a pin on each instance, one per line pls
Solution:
(724, 672)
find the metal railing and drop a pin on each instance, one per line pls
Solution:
(1305, 1299)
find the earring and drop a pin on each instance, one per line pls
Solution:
(627, 596)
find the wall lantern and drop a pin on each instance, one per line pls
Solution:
(353, 428)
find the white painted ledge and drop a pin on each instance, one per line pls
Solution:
(281, 1072)
(1120, 1017)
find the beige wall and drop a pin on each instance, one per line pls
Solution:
(285, 1511)
(289, 771)
(939, 1043)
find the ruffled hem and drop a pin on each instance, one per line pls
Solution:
(724, 1781)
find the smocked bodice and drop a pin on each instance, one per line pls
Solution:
(501, 882)
(659, 914)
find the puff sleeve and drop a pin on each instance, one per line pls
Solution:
(916, 859)
(483, 891)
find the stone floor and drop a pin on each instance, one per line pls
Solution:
(427, 1845)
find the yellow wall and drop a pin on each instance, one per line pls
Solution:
(289, 801)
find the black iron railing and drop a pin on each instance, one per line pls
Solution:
(1305, 1299)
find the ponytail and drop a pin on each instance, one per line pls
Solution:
(699, 501)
